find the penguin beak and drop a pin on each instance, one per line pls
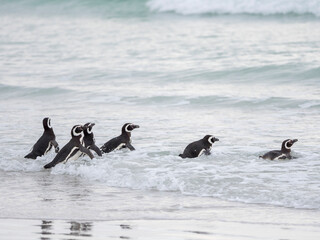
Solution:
(294, 140)
(92, 124)
(215, 139)
(135, 126)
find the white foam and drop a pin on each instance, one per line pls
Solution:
(241, 177)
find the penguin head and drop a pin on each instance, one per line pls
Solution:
(87, 128)
(211, 139)
(46, 123)
(77, 131)
(128, 127)
(287, 144)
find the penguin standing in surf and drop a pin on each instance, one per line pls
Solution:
(88, 139)
(73, 149)
(284, 153)
(197, 148)
(45, 142)
(122, 141)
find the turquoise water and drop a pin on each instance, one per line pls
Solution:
(247, 72)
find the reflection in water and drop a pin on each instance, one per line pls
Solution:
(199, 232)
(80, 229)
(125, 226)
(46, 228)
(76, 229)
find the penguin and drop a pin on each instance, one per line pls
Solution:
(121, 141)
(45, 142)
(281, 154)
(73, 149)
(197, 148)
(89, 141)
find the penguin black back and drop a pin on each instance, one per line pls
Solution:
(122, 141)
(73, 149)
(197, 148)
(45, 142)
(283, 153)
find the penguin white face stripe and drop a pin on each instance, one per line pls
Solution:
(210, 140)
(89, 131)
(286, 146)
(126, 128)
(49, 123)
(81, 138)
(75, 133)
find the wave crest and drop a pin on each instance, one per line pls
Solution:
(264, 7)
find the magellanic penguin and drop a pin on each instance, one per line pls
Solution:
(89, 141)
(45, 142)
(73, 149)
(283, 153)
(122, 141)
(197, 148)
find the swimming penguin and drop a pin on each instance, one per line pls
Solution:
(283, 153)
(197, 148)
(121, 141)
(45, 142)
(89, 141)
(73, 149)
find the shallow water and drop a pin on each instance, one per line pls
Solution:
(249, 79)
(46, 206)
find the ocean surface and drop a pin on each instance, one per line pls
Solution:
(247, 72)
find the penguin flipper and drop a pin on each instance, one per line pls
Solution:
(56, 145)
(130, 146)
(182, 156)
(96, 149)
(86, 151)
(207, 152)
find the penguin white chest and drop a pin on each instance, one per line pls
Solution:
(282, 156)
(72, 155)
(121, 145)
(48, 148)
(201, 152)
